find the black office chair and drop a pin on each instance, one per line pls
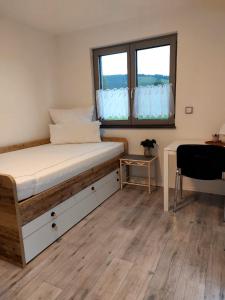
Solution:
(205, 162)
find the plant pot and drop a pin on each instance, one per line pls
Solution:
(147, 152)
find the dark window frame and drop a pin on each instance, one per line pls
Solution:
(131, 49)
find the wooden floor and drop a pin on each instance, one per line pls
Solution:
(129, 249)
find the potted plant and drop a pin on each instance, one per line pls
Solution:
(148, 145)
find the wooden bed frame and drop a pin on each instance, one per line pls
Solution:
(14, 214)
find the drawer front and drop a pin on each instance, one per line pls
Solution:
(52, 214)
(77, 208)
(106, 190)
(72, 216)
(108, 178)
(62, 207)
(81, 209)
(47, 234)
(39, 240)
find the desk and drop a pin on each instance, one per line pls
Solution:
(171, 149)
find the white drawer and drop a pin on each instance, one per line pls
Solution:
(110, 177)
(53, 213)
(72, 216)
(81, 209)
(44, 230)
(74, 199)
(106, 190)
(39, 240)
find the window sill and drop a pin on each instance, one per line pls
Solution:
(140, 126)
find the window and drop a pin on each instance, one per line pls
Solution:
(135, 83)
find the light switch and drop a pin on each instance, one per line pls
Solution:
(189, 110)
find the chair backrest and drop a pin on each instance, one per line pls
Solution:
(206, 162)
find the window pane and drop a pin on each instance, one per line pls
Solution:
(114, 71)
(112, 98)
(153, 66)
(153, 95)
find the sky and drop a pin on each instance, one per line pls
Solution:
(149, 61)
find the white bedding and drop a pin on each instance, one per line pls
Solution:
(39, 168)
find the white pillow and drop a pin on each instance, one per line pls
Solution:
(75, 133)
(59, 116)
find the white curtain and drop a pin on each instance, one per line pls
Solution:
(153, 102)
(113, 104)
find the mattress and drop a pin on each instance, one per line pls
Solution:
(39, 168)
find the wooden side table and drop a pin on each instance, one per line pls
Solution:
(137, 161)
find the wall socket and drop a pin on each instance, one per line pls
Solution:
(189, 110)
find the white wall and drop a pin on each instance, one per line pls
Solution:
(27, 82)
(200, 73)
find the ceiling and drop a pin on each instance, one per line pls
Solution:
(61, 16)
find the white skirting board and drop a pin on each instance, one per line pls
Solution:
(44, 230)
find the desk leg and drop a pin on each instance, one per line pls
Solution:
(166, 180)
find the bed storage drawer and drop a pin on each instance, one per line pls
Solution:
(107, 186)
(44, 230)
(72, 216)
(113, 176)
(53, 213)
(39, 240)
(102, 189)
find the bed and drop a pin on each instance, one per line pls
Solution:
(45, 189)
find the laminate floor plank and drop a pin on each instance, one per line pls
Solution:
(81, 281)
(129, 249)
(110, 280)
(215, 277)
(19, 280)
(45, 291)
(191, 284)
(134, 284)
(27, 290)
(165, 277)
